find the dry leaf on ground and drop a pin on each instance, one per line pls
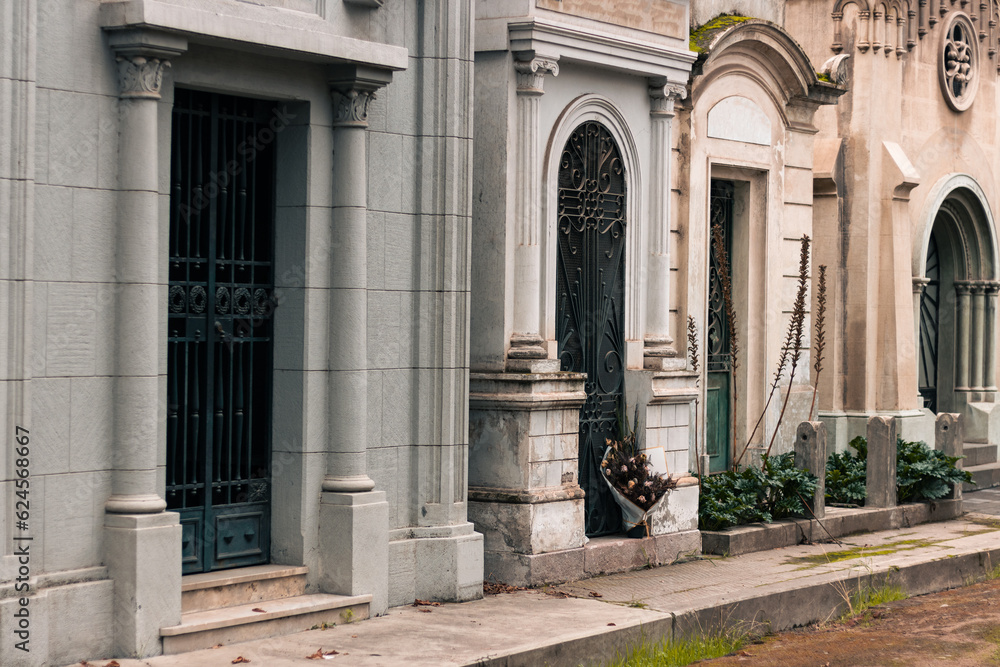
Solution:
(240, 659)
(259, 610)
(320, 654)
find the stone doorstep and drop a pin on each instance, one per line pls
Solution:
(985, 476)
(978, 454)
(205, 629)
(228, 588)
(838, 522)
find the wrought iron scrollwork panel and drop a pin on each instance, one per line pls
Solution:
(220, 322)
(591, 300)
(717, 331)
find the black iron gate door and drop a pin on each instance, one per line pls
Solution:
(590, 293)
(220, 329)
(930, 302)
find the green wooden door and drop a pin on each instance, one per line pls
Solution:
(718, 360)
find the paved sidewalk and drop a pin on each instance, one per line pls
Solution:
(986, 501)
(571, 625)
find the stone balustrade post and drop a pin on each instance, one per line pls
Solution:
(527, 347)
(658, 343)
(948, 438)
(881, 485)
(810, 454)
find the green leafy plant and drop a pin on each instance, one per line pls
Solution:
(925, 474)
(921, 473)
(846, 475)
(773, 491)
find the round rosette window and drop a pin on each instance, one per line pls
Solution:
(959, 62)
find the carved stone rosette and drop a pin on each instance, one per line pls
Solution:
(139, 76)
(350, 106)
(959, 62)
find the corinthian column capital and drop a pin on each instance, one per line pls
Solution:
(139, 76)
(352, 89)
(531, 69)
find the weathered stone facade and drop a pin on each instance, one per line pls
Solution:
(492, 225)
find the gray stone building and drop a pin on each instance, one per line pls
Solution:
(320, 306)
(235, 284)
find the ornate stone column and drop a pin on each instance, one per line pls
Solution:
(142, 541)
(962, 317)
(990, 336)
(354, 519)
(658, 343)
(977, 338)
(527, 348)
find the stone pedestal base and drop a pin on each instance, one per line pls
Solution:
(981, 423)
(143, 554)
(528, 522)
(354, 546)
(601, 555)
(435, 563)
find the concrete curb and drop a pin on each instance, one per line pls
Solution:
(777, 610)
(838, 522)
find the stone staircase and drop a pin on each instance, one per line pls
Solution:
(981, 461)
(253, 603)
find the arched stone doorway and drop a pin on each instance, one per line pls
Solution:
(957, 308)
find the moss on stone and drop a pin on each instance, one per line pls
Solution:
(825, 78)
(702, 36)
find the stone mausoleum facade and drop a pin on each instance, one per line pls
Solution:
(322, 306)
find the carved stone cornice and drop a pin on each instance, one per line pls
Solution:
(531, 72)
(139, 76)
(663, 96)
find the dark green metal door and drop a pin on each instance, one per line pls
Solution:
(590, 294)
(220, 305)
(718, 365)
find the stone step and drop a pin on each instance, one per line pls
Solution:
(229, 625)
(230, 588)
(985, 476)
(977, 454)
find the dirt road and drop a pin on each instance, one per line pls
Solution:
(960, 627)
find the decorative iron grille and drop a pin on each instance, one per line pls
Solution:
(718, 356)
(220, 329)
(591, 301)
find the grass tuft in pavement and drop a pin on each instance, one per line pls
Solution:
(683, 651)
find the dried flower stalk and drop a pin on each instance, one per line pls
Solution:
(796, 326)
(693, 343)
(722, 257)
(820, 322)
(692, 334)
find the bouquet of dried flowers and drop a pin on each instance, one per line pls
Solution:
(629, 473)
(627, 469)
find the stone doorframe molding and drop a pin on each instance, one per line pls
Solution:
(527, 350)
(143, 541)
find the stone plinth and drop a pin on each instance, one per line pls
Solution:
(810, 454)
(523, 460)
(881, 486)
